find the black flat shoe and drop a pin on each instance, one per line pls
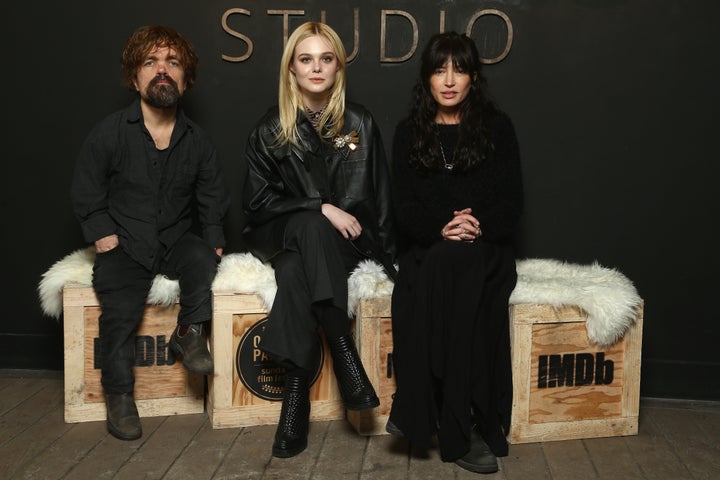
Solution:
(480, 458)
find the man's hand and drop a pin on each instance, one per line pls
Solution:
(105, 244)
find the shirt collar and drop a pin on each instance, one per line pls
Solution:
(134, 115)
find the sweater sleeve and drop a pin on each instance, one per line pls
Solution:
(425, 200)
(503, 189)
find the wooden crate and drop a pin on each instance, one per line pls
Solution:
(161, 387)
(564, 387)
(373, 334)
(540, 413)
(239, 398)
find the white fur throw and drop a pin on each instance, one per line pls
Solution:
(238, 272)
(609, 298)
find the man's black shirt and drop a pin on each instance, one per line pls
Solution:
(123, 185)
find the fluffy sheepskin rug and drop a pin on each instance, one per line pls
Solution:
(75, 268)
(368, 280)
(239, 272)
(608, 297)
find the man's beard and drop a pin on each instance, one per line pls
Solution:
(162, 96)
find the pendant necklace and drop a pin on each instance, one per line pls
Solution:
(448, 166)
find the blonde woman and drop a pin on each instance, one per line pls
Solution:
(317, 196)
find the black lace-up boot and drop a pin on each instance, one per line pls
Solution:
(292, 430)
(355, 388)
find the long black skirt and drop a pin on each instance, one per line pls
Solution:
(451, 352)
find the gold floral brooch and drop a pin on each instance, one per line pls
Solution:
(350, 140)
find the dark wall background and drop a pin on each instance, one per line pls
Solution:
(615, 103)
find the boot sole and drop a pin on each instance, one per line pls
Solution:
(119, 434)
(285, 453)
(473, 467)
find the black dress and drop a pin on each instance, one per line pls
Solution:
(450, 300)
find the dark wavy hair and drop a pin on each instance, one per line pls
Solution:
(473, 144)
(144, 40)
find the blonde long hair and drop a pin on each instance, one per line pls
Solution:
(289, 95)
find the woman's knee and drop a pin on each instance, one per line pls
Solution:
(289, 268)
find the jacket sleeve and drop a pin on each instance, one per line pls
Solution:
(383, 196)
(266, 193)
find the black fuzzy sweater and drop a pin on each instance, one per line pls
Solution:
(425, 199)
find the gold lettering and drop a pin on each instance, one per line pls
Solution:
(286, 20)
(356, 35)
(259, 355)
(356, 32)
(235, 34)
(383, 21)
(508, 25)
(384, 14)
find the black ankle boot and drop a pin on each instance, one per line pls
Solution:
(292, 430)
(479, 458)
(123, 421)
(192, 346)
(355, 388)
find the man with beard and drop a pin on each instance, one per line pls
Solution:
(149, 194)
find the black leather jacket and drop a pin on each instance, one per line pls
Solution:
(288, 178)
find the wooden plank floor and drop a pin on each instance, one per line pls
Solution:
(677, 441)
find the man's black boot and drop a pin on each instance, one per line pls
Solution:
(355, 388)
(292, 430)
(123, 420)
(192, 346)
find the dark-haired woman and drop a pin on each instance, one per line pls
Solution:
(458, 195)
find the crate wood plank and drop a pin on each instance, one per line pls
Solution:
(230, 402)
(539, 413)
(373, 335)
(161, 388)
(565, 387)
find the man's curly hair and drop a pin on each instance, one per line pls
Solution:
(147, 38)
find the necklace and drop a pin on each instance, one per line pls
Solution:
(314, 117)
(448, 166)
